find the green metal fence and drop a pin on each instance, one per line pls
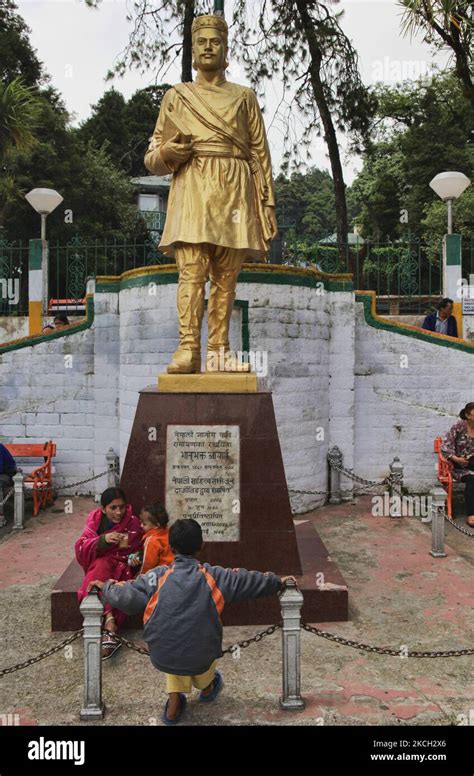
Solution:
(13, 277)
(405, 274)
(70, 265)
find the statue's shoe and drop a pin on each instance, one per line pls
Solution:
(225, 361)
(185, 362)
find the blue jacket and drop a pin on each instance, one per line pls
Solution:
(430, 324)
(7, 462)
(182, 604)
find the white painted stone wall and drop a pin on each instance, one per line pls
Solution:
(46, 392)
(290, 323)
(468, 327)
(407, 392)
(341, 381)
(106, 397)
(335, 381)
(13, 327)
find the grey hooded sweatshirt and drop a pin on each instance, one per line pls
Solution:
(182, 604)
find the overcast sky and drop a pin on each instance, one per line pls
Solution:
(78, 46)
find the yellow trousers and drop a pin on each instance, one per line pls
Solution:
(176, 683)
(197, 264)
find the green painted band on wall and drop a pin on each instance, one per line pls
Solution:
(244, 305)
(372, 319)
(309, 280)
(27, 342)
(453, 250)
(35, 254)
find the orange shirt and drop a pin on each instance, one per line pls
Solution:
(156, 549)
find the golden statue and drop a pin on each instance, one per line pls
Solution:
(210, 135)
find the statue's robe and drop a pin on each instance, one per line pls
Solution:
(219, 195)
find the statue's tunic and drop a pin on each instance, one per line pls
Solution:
(218, 196)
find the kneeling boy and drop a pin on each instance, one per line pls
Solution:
(183, 603)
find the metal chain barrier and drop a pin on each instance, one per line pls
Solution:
(258, 637)
(356, 478)
(358, 492)
(384, 650)
(457, 527)
(323, 634)
(9, 495)
(126, 642)
(367, 484)
(83, 482)
(228, 650)
(311, 492)
(247, 642)
(43, 655)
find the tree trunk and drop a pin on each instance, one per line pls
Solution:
(187, 56)
(464, 73)
(329, 131)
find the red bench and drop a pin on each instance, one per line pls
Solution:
(40, 479)
(445, 475)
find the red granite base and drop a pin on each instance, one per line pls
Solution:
(327, 603)
(268, 539)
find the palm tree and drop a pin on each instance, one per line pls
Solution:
(18, 120)
(18, 116)
(447, 24)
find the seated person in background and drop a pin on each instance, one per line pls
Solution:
(458, 448)
(7, 467)
(182, 606)
(443, 321)
(61, 321)
(111, 533)
(156, 549)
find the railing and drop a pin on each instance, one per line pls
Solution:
(154, 219)
(405, 274)
(13, 277)
(70, 265)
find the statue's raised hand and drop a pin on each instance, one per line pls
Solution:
(175, 152)
(271, 220)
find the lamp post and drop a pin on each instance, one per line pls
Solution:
(44, 201)
(449, 186)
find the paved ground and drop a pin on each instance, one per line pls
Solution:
(399, 595)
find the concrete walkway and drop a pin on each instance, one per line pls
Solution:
(399, 595)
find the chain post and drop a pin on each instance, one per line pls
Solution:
(335, 460)
(91, 609)
(113, 467)
(291, 600)
(437, 509)
(19, 501)
(396, 485)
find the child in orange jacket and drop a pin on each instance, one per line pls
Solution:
(156, 549)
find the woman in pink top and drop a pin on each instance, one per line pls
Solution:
(111, 533)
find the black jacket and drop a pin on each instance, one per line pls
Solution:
(430, 324)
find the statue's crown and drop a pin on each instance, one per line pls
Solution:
(218, 22)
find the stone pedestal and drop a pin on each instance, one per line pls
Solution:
(246, 519)
(265, 532)
(173, 457)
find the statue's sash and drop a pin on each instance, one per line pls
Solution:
(205, 113)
